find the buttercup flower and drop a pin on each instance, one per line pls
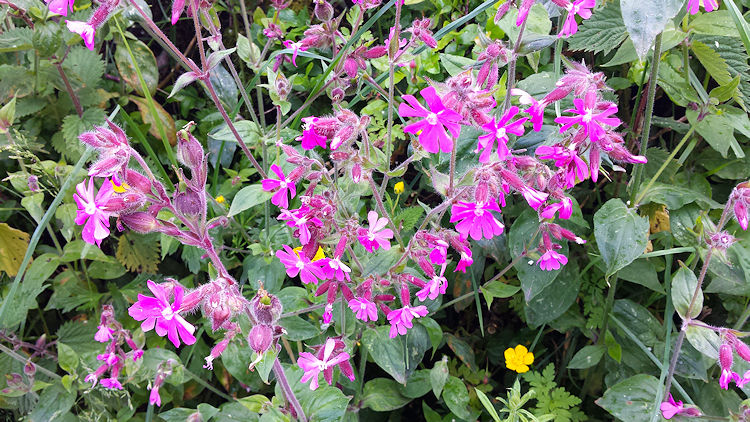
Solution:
(377, 235)
(431, 129)
(398, 188)
(91, 210)
(518, 359)
(158, 312)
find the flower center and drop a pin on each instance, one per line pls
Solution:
(300, 265)
(500, 133)
(479, 211)
(167, 313)
(363, 306)
(589, 116)
(432, 119)
(283, 184)
(371, 236)
(91, 208)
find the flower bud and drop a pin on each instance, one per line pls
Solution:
(742, 350)
(190, 151)
(141, 222)
(195, 417)
(266, 308)
(138, 181)
(188, 203)
(260, 338)
(725, 356)
(29, 369)
(282, 86)
(337, 94)
(323, 10)
(33, 183)
(376, 52)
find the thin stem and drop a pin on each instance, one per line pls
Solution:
(452, 168)
(644, 191)
(383, 211)
(648, 113)
(392, 49)
(608, 309)
(307, 102)
(69, 88)
(278, 370)
(512, 68)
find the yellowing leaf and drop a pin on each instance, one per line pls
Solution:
(13, 244)
(138, 253)
(149, 118)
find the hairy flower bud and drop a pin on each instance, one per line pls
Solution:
(265, 307)
(190, 153)
(323, 10)
(260, 338)
(725, 356)
(188, 203)
(141, 222)
(282, 86)
(742, 349)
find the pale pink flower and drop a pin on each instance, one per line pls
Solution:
(91, 210)
(437, 285)
(498, 131)
(103, 334)
(376, 236)
(87, 32)
(313, 366)
(590, 116)
(475, 219)
(401, 319)
(158, 312)
(282, 186)
(309, 272)
(296, 48)
(692, 5)
(581, 8)
(301, 219)
(431, 129)
(364, 309)
(551, 260)
(60, 7)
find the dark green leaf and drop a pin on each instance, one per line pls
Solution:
(587, 357)
(382, 395)
(620, 233)
(631, 399)
(388, 352)
(603, 32)
(684, 283)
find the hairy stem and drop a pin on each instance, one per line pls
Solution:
(391, 83)
(278, 370)
(383, 211)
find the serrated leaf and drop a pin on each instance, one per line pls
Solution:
(13, 244)
(16, 39)
(716, 23)
(408, 218)
(712, 62)
(83, 67)
(138, 253)
(603, 32)
(73, 126)
(732, 51)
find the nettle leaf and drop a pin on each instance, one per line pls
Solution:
(712, 62)
(603, 32)
(716, 23)
(632, 398)
(408, 218)
(733, 52)
(620, 233)
(83, 67)
(16, 39)
(73, 126)
(138, 253)
(644, 20)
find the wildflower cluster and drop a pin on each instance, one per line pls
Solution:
(110, 331)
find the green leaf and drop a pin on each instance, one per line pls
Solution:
(462, 350)
(73, 126)
(717, 130)
(498, 289)
(457, 397)
(84, 68)
(454, 64)
(178, 414)
(555, 298)
(620, 233)
(298, 329)
(382, 395)
(433, 331)
(439, 376)
(32, 286)
(248, 197)
(603, 32)
(408, 218)
(388, 352)
(705, 340)
(78, 249)
(684, 283)
(417, 385)
(16, 39)
(488, 405)
(33, 205)
(324, 404)
(587, 357)
(13, 244)
(53, 404)
(66, 358)
(381, 261)
(146, 62)
(645, 20)
(717, 23)
(156, 119)
(712, 62)
(643, 272)
(732, 51)
(632, 398)
(533, 279)
(138, 253)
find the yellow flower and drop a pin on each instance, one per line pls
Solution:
(398, 188)
(318, 255)
(119, 188)
(220, 199)
(518, 359)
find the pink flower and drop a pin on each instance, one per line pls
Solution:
(158, 312)
(498, 131)
(333, 267)
(671, 408)
(401, 318)
(91, 210)
(364, 309)
(377, 235)
(590, 116)
(313, 365)
(177, 7)
(534, 198)
(103, 334)
(309, 272)
(465, 261)
(431, 129)
(580, 7)
(310, 138)
(475, 219)
(692, 6)
(301, 219)
(296, 48)
(566, 158)
(535, 110)
(86, 31)
(60, 6)
(436, 286)
(281, 186)
(565, 207)
(154, 397)
(111, 383)
(551, 260)
(741, 197)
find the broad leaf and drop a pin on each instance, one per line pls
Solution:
(388, 352)
(620, 233)
(684, 283)
(248, 197)
(631, 399)
(644, 20)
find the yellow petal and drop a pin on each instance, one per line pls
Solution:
(521, 350)
(528, 359)
(510, 354)
(522, 368)
(398, 188)
(220, 199)
(121, 188)
(318, 254)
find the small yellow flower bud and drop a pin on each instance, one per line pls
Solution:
(220, 199)
(398, 188)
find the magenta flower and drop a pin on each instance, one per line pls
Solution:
(465, 261)
(313, 366)
(535, 110)
(91, 210)
(431, 129)
(551, 260)
(534, 197)
(300, 219)
(581, 8)
(498, 130)
(364, 309)
(692, 6)
(590, 116)
(103, 334)
(154, 397)
(742, 381)
(111, 383)
(475, 219)
(310, 138)
(309, 272)
(741, 197)
(401, 319)
(296, 48)
(87, 32)
(377, 235)
(436, 286)
(565, 158)
(178, 6)
(333, 267)
(60, 6)
(158, 312)
(564, 207)
(282, 186)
